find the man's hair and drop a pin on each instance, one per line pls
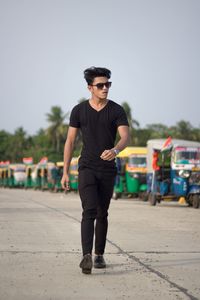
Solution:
(91, 73)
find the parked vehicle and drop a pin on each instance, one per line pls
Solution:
(36, 177)
(120, 179)
(28, 181)
(5, 179)
(4, 165)
(136, 170)
(173, 172)
(16, 175)
(52, 173)
(131, 175)
(73, 173)
(58, 176)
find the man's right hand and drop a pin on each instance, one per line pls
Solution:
(65, 182)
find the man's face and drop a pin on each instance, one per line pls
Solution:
(100, 87)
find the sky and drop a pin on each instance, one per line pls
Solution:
(152, 48)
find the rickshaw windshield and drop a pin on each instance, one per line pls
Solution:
(74, 167)
(139, 161)
(187, 155)
(19, 169)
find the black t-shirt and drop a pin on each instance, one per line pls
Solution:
(98, 130)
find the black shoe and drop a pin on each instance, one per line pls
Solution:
(86, 264)
(99, 262)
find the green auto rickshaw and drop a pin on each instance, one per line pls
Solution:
(16, 175)
(28, 182)
(136, 170)
(1, 176)
(131, 173)
(5, 180)
(73, 173)
(36, 177)
(52, 171)
(46, 180)
(58, 176)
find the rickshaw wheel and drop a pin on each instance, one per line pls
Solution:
(144, 196)
(55, 190)
(152, 199)
(195, 201)
(189, 201)
(115, 196)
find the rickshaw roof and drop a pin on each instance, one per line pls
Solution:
(17, 166)
(60, 163)
(48, 165)
(74, 160)
(132, 150)
(157, 144)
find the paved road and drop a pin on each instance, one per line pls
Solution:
(152, 252)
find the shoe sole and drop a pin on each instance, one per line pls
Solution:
(86, 266)
(86, 271)
(99, 266)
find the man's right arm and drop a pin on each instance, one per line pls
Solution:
(68, 151)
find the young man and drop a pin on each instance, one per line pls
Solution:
(99, 119)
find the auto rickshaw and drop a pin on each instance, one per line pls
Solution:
(120, 179)
(131, 174)
(173, 172)
(73, 173)
(4, 165)
(51, 176)
(44, 180)
(16, 175)
(58, 175)
(136, 173)
(28, 182)
(1, 177)
(36, 177)
(5, 179)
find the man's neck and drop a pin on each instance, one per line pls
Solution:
(97, 103)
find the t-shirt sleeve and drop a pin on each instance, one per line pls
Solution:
(74, 120)
(121, 118)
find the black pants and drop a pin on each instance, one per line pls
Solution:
(95, 189)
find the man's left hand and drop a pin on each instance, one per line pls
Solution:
(108, 155)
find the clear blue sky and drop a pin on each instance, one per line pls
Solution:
(151, 46)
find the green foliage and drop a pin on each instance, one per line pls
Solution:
(5, 138)
(50, 141)
(133, 123)
(56, 130)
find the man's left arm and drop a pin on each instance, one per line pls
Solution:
(122, 143)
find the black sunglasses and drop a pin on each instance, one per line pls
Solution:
(100, 86)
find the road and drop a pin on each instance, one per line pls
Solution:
(152, 252)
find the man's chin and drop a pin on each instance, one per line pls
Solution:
(104, 97)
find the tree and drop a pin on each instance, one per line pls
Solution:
(57, 129)
(184, 130)
(40, 146)
(17, 145)
(158, 131)
(4, 145)
(132, 123)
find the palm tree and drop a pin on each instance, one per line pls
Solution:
(17, 145)
(132, 123)
(57, 128)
